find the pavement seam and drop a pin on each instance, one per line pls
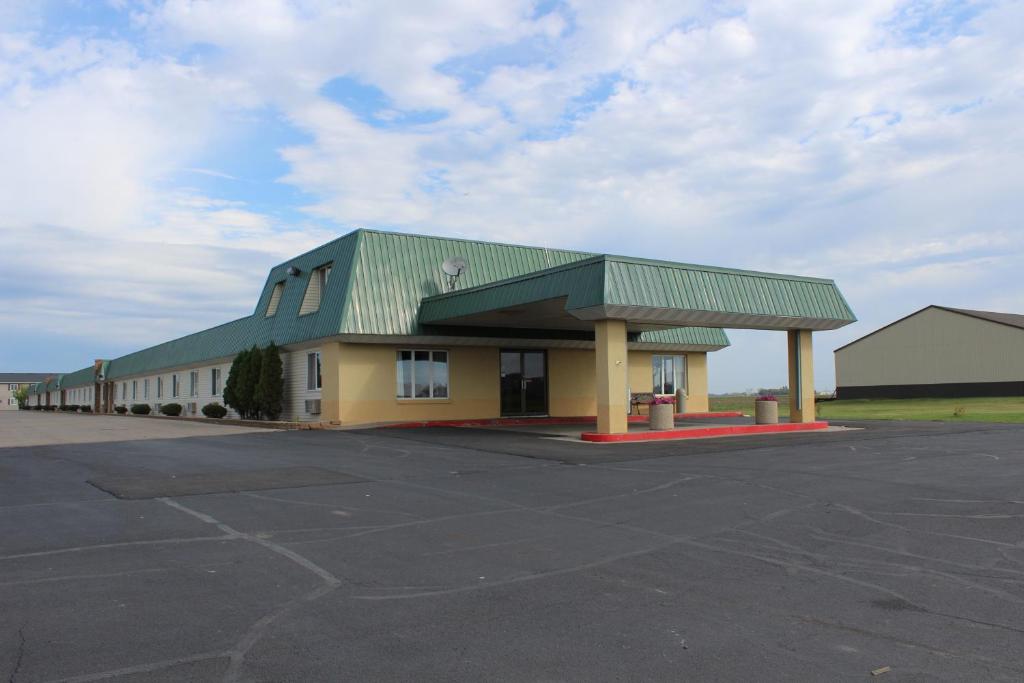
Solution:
(255, 632)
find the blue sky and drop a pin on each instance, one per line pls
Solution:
(159, 156)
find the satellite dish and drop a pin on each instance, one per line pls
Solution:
(453, 267)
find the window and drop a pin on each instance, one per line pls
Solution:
(422, 374)
(12, 387)
(315, 289)
(275, 299)
(669, 373)
(313, 380)
(175, 386)
(215, 381)
(124, 391)
(193, 383)
(159, 387)
(135, 389)
(145, 388)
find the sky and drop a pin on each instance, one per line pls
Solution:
(157, 157)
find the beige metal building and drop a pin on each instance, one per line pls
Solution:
(10, 382)
(936, 352)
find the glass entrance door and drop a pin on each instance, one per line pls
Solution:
(524, 383)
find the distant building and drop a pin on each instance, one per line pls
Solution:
(10, 382)
(933, 353)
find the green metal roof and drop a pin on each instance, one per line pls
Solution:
(646, 292)
(391, 284)
(377, 282)
(79, 378)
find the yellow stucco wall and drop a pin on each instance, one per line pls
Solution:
(572, 388)
(696, 382)
(367, 379)
(364, 389)
(641, 378)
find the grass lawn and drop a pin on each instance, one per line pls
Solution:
(1009, 409)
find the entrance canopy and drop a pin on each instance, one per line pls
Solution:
(648, 295)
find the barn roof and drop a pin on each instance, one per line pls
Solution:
(1009, 319)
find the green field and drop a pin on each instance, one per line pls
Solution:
(1009, 409)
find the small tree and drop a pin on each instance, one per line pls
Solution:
(234, 393)
(243, 379)
(21, 396)
(270, 388)
(252, 379)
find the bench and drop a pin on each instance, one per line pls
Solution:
(643, 398)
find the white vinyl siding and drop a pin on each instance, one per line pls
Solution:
(296, 381)
(163, 389)
(315, 289)
(275, 299)
(295, 393)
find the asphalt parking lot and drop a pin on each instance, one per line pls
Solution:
(472, 554)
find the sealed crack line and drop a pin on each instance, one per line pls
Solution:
(328, 578)
(21, 655)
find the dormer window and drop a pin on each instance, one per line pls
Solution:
(275, 299)
(315, 289)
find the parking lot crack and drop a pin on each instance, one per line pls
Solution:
(306, 563)
(256, 631)
(18, 657)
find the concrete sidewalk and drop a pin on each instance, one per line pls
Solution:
(36, 428)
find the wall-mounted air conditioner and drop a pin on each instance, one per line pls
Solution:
(313, 406)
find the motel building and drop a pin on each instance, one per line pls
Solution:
(379, 327)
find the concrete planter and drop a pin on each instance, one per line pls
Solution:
(766, 412)
(662, 416)
(680, 400)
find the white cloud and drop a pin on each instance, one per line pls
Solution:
(867, 141)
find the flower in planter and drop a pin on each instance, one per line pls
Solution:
(766, 397)
(662, 400)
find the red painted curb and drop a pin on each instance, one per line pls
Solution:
(729, 430)
(520, 421)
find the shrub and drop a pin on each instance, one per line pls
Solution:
(120, 410)
(252, 392)
(270, 388)
(69, 408)
(240, 389)
(86, 409)
(140, 409)
(171, 409)
(49, 408)
(37, 407)
(214, 410)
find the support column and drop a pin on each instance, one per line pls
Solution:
(696, 382)
(801, 376)
(612, 401)
(330, 382)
